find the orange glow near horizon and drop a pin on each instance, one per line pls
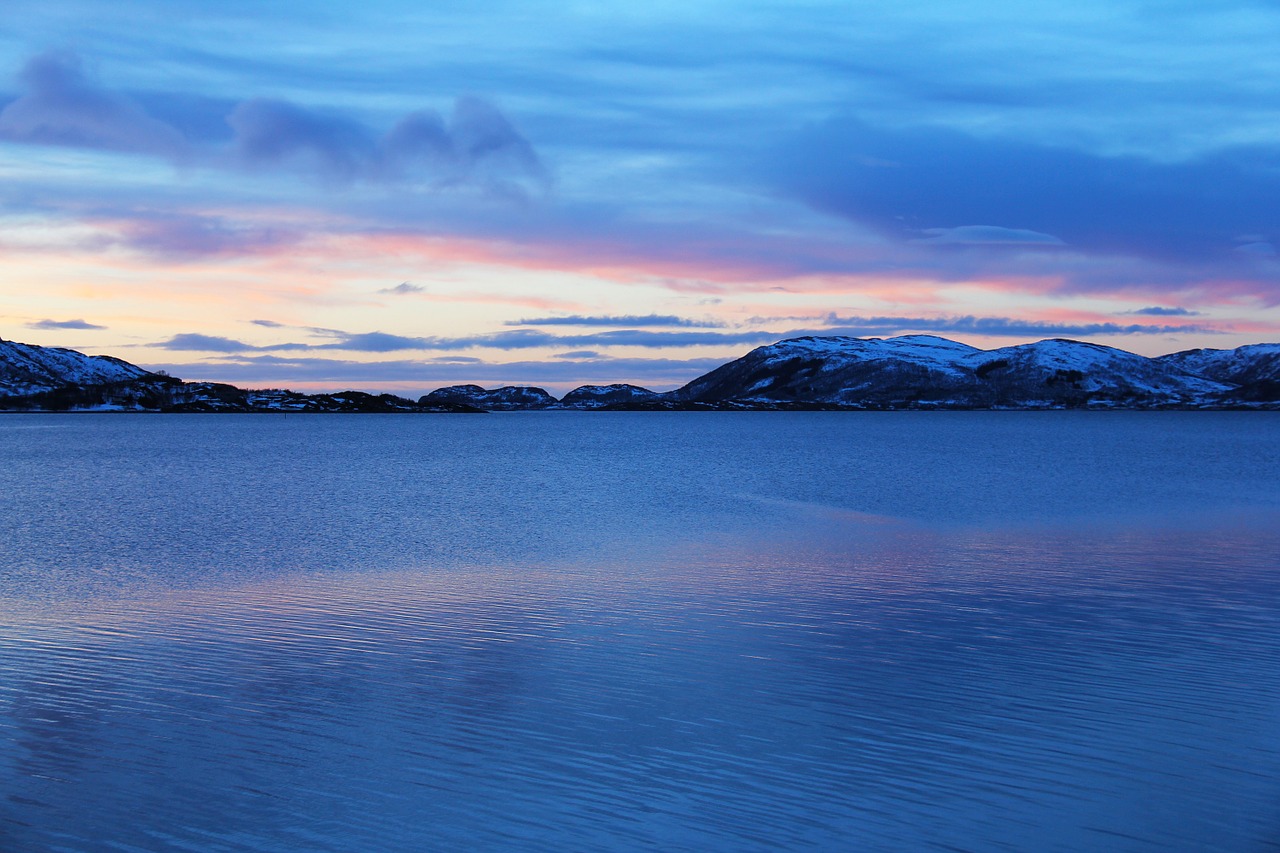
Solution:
(461, 286)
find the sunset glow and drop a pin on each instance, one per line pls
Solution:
(394, 198)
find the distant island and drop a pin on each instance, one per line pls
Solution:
(808, 373)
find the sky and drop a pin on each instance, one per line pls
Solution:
(395, 195)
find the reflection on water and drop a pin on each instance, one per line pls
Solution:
(809, 675)
(934, 692)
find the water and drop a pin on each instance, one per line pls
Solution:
(569, 631)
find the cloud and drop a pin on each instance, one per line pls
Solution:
(182, 236)
(315, 330)
(353, 342)
(618, 320)
(404, 288)
(383, 342)
(1159, 311)
(531, 338)
(376, 342)
(479, 147)
(266, 366)
(419, 141)
(1258, 249)
(905, 182)
(486, 142)
(61, 106)
(63, 324)
(270, 133)
(417, 377)
(203, 343)
(988, 235)
(996, 327)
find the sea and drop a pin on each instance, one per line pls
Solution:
(578, 631)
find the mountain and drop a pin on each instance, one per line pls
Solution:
(216, 397)
(1071, 373)
(506, 399)
(511, 398)
(30, 369)
(35, 378)
(907, 372)
(602, 396)
(836, 370)
(1240, 366)
(1254, 369)
(924, 371)
(929, 372)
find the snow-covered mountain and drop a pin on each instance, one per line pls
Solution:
(505, 399)
(30, 369)
(1239, 366)
(511, 398)
(924, 371)
(1253, 369)
(35, 378)
(839, 370)
(599, 396)
(911, 371)
(1062, 372)
(216, 397)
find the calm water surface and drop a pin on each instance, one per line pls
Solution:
(569, 631)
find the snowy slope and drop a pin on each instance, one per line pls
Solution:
(911, 371)
(1061, 371)
(505, 399)
(1240, 366)
(839, 370)
(599, 396)
(31, 369)
(35, 378)
(924, 371)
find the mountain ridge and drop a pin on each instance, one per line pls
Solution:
(811, 372)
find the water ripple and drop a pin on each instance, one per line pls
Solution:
(802, 677)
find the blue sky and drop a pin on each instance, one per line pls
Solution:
(397, 197)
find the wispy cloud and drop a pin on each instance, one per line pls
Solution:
(52, 325)
(530, 339)
(837, 324)
(370, 342)
(384, 342)
(998, 327)
(419, 376)
(178, 236)
(194, 342)
(404, 288)
(1160, 311)
(831, 324)
(987, 235)
(635, 320)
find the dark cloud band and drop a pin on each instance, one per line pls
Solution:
(832, 324)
